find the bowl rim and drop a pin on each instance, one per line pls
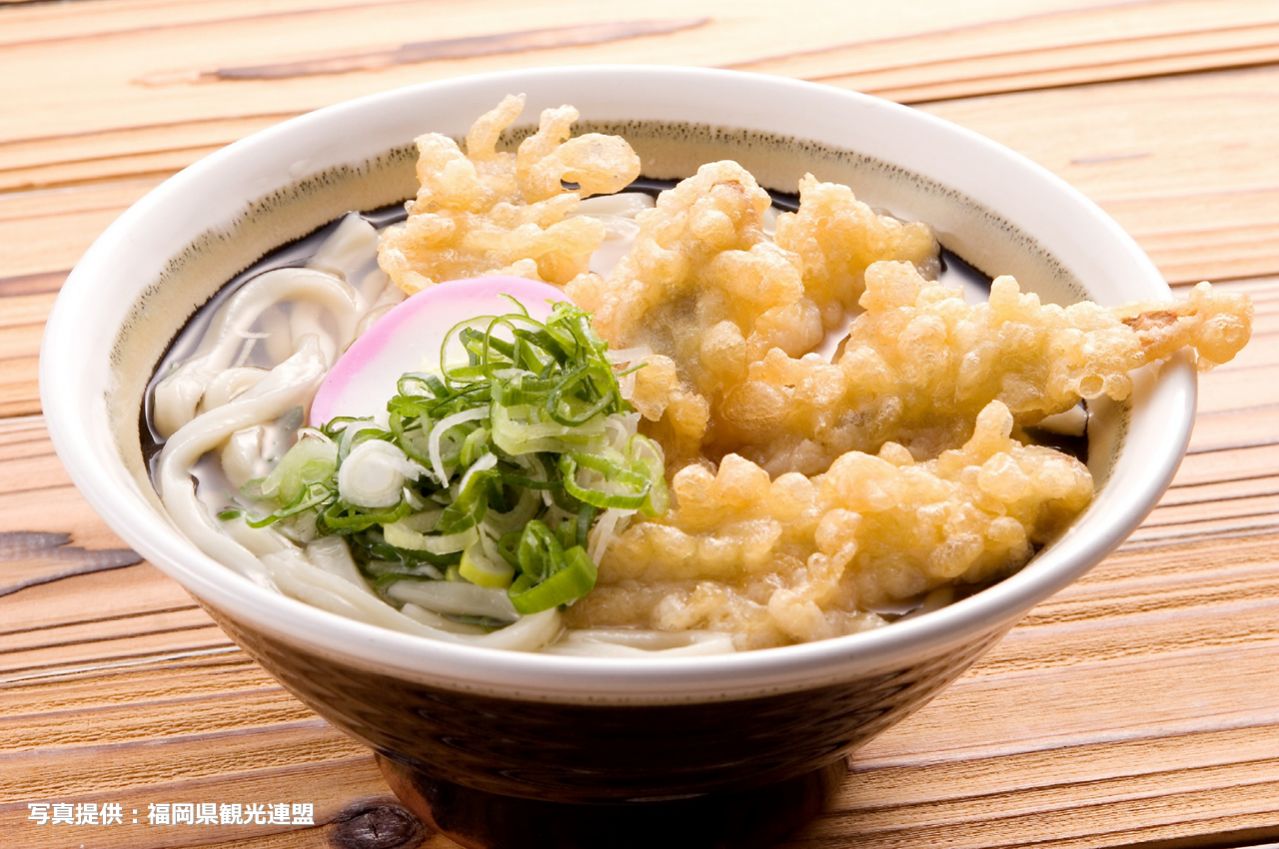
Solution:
(549, 677)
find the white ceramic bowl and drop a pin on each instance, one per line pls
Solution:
(136, 284)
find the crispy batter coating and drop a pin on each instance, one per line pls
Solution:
(693, 286)
(920, 363)
(488, 211)
(791, 559)
(837, 237)
(807, 492)
(705, 287)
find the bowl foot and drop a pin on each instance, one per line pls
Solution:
(746, 819)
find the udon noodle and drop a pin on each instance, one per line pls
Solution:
(812, 494)
(234, 406)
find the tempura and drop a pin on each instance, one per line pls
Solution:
(809, 492)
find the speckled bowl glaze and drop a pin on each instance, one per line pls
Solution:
(462, 728)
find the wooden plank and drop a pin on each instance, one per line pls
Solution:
(45, 231)
(175, 86)
(1135, 708)
(44, 21)
(1044, 49)
(1215, 219)
(337, 787)
(1202, 203)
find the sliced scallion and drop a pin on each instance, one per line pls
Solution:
(493, 472)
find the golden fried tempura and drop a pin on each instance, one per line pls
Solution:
(920, 362)
(792, 558)
(807, 492)
(705, 287)
(693, 286)
(836, 238)
(485, 211)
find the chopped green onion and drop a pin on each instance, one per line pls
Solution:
(495, 471)
(481, 570)
(620, 485)
(309, 461)
(574, 579)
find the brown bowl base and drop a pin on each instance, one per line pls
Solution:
(744, 819)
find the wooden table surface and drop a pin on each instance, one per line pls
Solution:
(1138, 707)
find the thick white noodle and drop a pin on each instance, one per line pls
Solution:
(297, 577)
(351, 253)
(635, 353)
(617, 213)
(230, 383)
(1072, 422)
(302, 319)
(332, 555)
(435, 620)
(623, 642)
(457, 597)
(288, 385)
(242, 456)
(610, 522)
(259, 541)
(621, 205)
(439, 431)
(178, 395)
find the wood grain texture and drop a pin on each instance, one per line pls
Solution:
(145, 82)
(1204, 205)
(1140, 706)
